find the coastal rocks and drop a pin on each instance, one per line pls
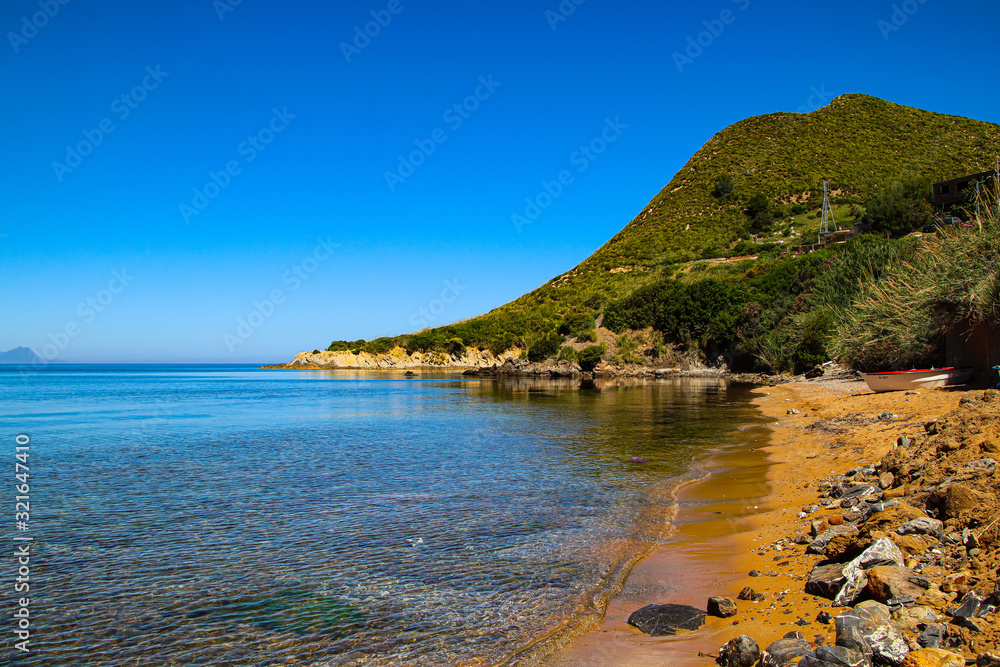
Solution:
(852, 639)
(973, 605)
(921, 526)
(873, 627)
(722, 607)
(933, 657)
(913, 618)
(818, 546)
(882, 552)
(826, 580)
(783, 651)
(742, 651)
(399, 358)
(834, 655)
(987, 660)
(659, 620)
(961, 501)
(887, 582)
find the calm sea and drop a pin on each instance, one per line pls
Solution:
(225, 515)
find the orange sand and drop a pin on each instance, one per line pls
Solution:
(749, 502)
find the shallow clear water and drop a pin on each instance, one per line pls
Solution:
(232, 516)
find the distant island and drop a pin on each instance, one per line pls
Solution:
(21, 356)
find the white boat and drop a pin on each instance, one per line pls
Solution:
(917, 379)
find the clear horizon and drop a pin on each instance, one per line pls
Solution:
(236, 182)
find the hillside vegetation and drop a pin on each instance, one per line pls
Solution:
(754, 190)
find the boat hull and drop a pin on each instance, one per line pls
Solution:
(921, 379)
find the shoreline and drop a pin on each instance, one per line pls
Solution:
(834, 426)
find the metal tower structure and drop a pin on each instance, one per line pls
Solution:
(827, 212)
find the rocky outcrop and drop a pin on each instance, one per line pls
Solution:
(399, 358)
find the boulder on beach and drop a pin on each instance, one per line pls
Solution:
(826, 580)
(722, 607)
(742, 651)
(834, 656)
(871, 621)
(659, 620)
(882, 552)
(783, 651)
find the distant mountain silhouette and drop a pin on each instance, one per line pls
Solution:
(21, 356)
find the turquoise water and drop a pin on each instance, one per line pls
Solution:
(199, 515)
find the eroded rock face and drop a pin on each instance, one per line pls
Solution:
(659, 620)
(933, 657)
(742, 651)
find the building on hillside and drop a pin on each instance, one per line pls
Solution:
(955, 191)
(975, 345)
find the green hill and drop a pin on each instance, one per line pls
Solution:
(860, 144)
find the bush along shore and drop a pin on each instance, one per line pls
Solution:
(895, 554)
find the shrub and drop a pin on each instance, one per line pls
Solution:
(456, 346)
(589, 357)
(899, 209)
(567, 353)
(899, 321)
(545, 347)
(576, 325)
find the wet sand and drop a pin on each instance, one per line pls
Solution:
(730, 523)
(699, 559)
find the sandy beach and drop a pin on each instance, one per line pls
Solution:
(744, 518)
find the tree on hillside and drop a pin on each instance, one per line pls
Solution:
(899, 209)
(760, 214)
(723, 187)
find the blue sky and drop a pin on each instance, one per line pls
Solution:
(172, 168)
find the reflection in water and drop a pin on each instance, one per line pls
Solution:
(231, 516)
